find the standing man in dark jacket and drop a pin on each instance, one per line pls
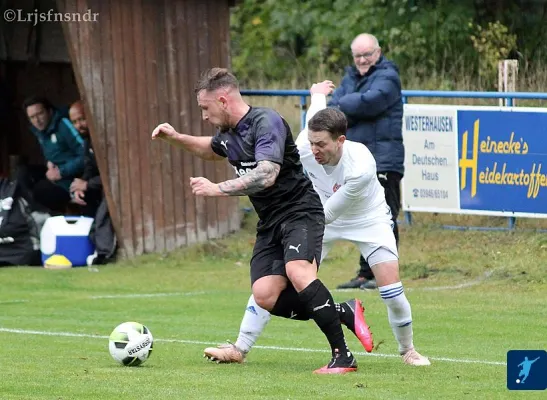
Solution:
(370, 97)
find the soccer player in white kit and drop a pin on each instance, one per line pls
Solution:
(343, 173)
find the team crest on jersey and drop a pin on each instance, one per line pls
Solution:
(336, 187)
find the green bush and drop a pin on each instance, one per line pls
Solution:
(295, 40)
(493, 43)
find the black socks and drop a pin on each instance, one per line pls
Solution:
(321, 307)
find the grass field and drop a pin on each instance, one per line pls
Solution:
(475, 295)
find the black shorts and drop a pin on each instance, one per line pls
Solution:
(297, 238)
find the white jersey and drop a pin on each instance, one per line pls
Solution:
(350, 192)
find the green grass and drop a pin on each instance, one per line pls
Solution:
(501, 306)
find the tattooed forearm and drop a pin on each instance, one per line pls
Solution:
(260, 178)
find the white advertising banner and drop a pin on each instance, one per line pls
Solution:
(430, 135)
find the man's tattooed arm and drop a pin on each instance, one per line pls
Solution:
(260, 178)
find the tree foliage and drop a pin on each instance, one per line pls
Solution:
(293, 39)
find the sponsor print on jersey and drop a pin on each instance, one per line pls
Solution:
(244, 167)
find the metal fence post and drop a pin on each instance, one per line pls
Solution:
(511, 221)
(408, 217)
(408, 214)
(302, 112)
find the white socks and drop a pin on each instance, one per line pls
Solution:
(399, 314)
(253, 323)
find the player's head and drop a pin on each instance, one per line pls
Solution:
(327, 134)
(38, 111)
(76, 114)
(365, 51)
(217, 91)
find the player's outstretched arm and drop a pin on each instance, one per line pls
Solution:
(198, 145)
(260, 178)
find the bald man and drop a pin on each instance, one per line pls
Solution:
(87, 190)
(76, 114)
(370, 97)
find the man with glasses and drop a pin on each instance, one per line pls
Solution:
(63, 150)
(370, 97)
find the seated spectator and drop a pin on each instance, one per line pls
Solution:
(63, 150)
(87, 190)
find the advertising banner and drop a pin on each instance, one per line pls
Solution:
(475, 160)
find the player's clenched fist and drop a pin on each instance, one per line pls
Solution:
(204, 187)
(164, 131)
(325, 87)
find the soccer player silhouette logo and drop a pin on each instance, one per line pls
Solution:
(526, 366)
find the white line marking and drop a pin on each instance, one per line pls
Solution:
(278, 348)
(464, 285)
(137, 295)
(480, 279)
(13, 301)
(454, 287)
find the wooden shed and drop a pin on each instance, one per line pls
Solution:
(134, 63)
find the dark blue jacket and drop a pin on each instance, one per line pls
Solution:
(63, 146)
(374, 108)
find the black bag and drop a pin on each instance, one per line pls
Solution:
(103, 236)
(19, 235)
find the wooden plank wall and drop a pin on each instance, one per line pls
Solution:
(136, 67)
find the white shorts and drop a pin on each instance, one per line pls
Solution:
(368, 239)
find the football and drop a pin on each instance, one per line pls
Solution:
(130, 343)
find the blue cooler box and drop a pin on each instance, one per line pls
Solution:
(68, 237)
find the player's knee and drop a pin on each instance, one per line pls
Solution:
(265, 300)
(386, 272)
(301, 273)
(266, 291)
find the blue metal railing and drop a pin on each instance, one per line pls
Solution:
(507, 96)
(304, 94)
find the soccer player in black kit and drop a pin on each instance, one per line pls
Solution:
(259, 145)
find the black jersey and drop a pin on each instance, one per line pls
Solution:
(263, 135)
